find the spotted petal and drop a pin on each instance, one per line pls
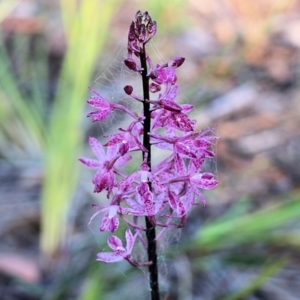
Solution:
(123, 160)
(116, 139)
(130, 239)
(204, 181)
(109, 222)
(179, 164)
(97, 149)
(109, 257)
(115, 243)
(91, 163)
(181, 122)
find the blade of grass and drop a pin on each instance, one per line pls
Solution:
(247, 228)
(93, 287)
(22, 109)
(268, 271)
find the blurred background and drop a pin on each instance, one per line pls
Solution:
(241, 73)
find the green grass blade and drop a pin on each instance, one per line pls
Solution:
(21, 109)
(86, 30)
(247, 228)
(269, 271)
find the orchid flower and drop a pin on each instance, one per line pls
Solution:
(119, 251)
(104, 178)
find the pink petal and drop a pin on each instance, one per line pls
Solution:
(103, 181)
(179, 164)
(204, 181)
(172, 94)
(127, 182)
(196, 164)
(181, 211)
(99, 115)
(161, 76)
(101, 104)
(91, 163)
(134, 205)
(170, 73)
(123, 160)
(96, 214)
(165, 164)
(186, 108)
(181, 122)
(189, 199)
(148, 204)
(207, 176)
(112, 152)
(159, 201)
(172, 200)
(130, 239)
(165, 146)
(109, 223)
(157, 184)
(165, 176)
(160, 119)
(208, 153)
(139, 144)
(170, 105)
(97, 176)
(197, 192)
(114, 242)
(117, 138)
(185, 148)
(97, 149)
(142, 188)
(124, 148)
(176, 62)
(97, 95)
(161, 137)
(130, 211)
(109, 257)
(202, 143)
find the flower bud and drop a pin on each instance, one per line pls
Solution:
(131, 64)
(176, 62)
(128, 89)
(131, 33)
(142, 33)
(151, 28)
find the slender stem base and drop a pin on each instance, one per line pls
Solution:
(150, 230)
(152, 256)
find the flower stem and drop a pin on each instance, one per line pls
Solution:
(150, 230)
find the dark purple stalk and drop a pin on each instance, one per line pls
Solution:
(150, 229)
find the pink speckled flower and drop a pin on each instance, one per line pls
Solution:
(104, 178)
(119, 251)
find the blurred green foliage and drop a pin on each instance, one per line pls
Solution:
(86, 28)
